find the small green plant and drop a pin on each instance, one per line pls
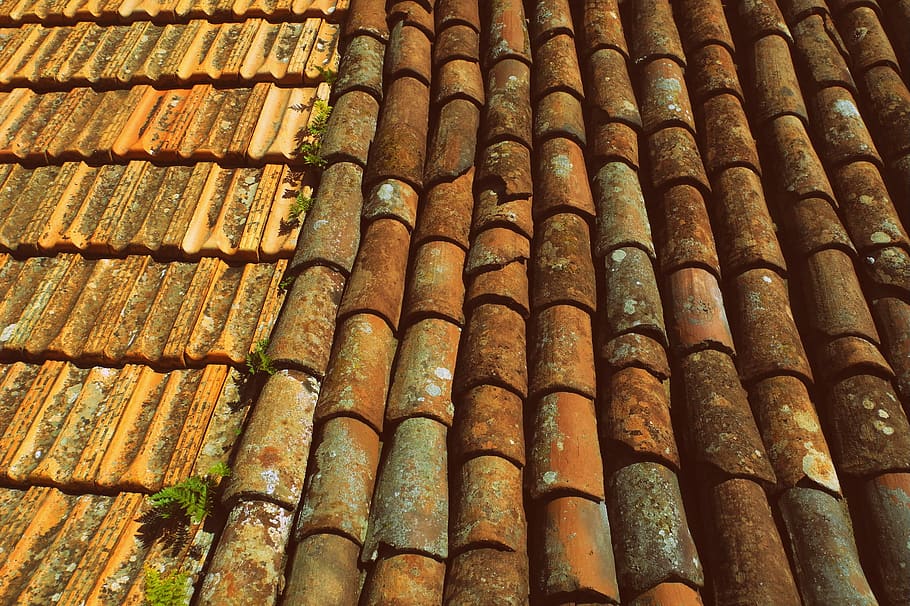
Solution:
(174, 508)
(166, 589)
(310, 141)
(285, 284)
(328, 74)
(258, 361)
(299, 208)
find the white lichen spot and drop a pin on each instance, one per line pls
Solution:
(270, 477)
(385, 192)
(846, 108)
(618, 255)
(443, 373)
(319, 224)
(883, 427)
(549, 477)
(433, 389)
(880, 237)
(766, 279)
(629, 306)
(7, 333)
(561, 165)
(868, 404)
(883, 414)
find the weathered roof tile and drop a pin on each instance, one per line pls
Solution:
(562, 266)
(632, 303)
(323, 570)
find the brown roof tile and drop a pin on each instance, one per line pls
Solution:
(452, 12)
(667, 594)
(791, 430)
(562, 358)
(797, 10)
(507, 35)
(613, 141)
(762, 18)
(408, 53)
(890, 104)
(392, 199)
(357, 379)
(459, 78)
(653, 33)
(844, 134)
(403, 578)
(817, 523)
(768, 342)
(721, 425)
(816, 226)
(635, 413)
(820, 49)
(870, 430)
(367, 17)
(410, 506)
(302, 337)
(436, 286)
(727, 138)
(507, 114)
(256, 533)
(745, 232)
(358, 112)
(557, 67)
(775, 85)
(852, 355)
(454, 141)
(609, 91)
(686, 236)
(868, 211)
(416, 13)
(488, 420)
(562, 267)
(506, 285)
(578, 556)
(323, 570)
(865, 38)
(638, 351)
(565, 453)
(562, 179)
(488, 508)
(748, 554)
(551, 18)
(632, 301)
(285, 416)
(887, 498)
(422, 384)
(361, 67)
(494, 248)
(712, 71)
(675, 159)
(665, 99)
(377, 280)
(399, 148)
(892, 316)
(603, 26)
(340, 485)
(835, 297)
(494, 349)
(801, 172)
(651, 539)
(479, 575)
(704, 23)
(622, 219)
(457, 41)
(559, 114)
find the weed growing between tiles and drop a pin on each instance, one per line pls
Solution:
(174, 508)
(258, 361)
(310, 140)
(166, 588)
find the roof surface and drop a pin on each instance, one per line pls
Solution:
(597, 302)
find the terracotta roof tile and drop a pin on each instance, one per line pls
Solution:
(745, 232)
(868, 211)
(749, 558)
(488, 509)
(565, 454)
(479, 575)
(562, 358)
(865, 38)
(457, 41)
(835, 296)
(422, 384)
(613, 141)
(726, 135)
(562, 179)
(507, 285)
(675, 159)
(762, 18)
(797, 10)
(359, 112)
(703, 23)
(820, 49)
(357, 379)
(643, 499)
(508, 109)
(408, 53)
(407, 576)
(579, 556)
(775, 85)
(446, 211)
(256, 532)
(340, 485)
(557, 67)
(489, 421)
(890, 101)
(665, 99)
(892, 315)
(665, 594)
(886, 496)
(436, 287)
(622, 219)
(712, 72)
(603, 26)
(399, 148)
(635, 413)
(801, 173)
(493, 352)
(867, 440)
(411, 503)
(453, 12)
(562, 266)
(459, 78)
(638, 351)
(686, 236)
(632, 302)
(323, 570)
(454, 141)
(559, 114)
(654, 34)
(367, 17)
(816, 227)
(844, 134)
(790, 427)
(609, 89)
(768, 342)
(851, 355)
(496, 247)
(507, 36)
(550, 19)
(416, 13)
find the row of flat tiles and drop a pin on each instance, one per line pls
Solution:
(197, 51)
(264, 123)
(91, 429)
(66, 549)
(176, 212)
(136, 309)
(111, 11)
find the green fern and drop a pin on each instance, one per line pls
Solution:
(166, 589)
(311, 141)
(300, 207)
(191, 496)
(258, 360)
